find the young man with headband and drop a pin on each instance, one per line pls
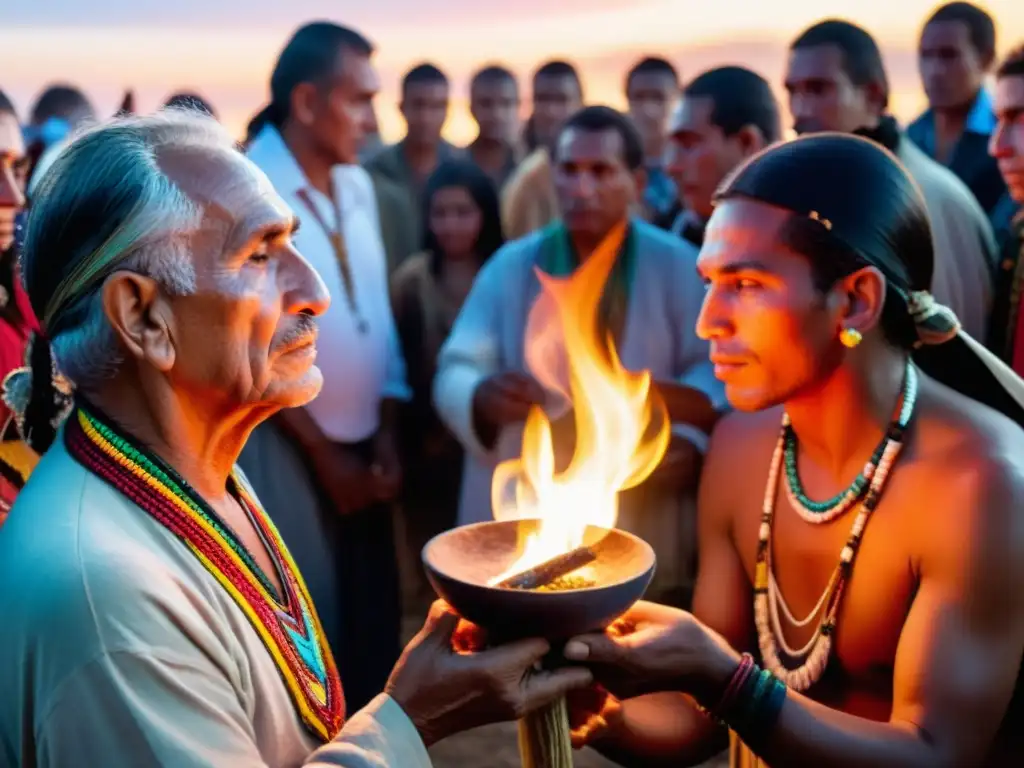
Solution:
(875, 574)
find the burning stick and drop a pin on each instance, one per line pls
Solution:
(550, 570)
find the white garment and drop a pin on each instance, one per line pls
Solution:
(359, 369)
(488, 338)
(119, 648)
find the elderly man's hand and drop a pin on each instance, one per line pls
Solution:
(446, 688)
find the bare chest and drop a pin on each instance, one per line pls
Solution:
(875, 599)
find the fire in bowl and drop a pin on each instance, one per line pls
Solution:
(464, 562)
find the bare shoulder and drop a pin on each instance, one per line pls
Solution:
(971, 460)
(955, 428)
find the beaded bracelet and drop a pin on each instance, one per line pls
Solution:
(739, 677)
(755, 708)
(751, 703)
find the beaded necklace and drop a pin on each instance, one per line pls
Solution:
(768, 598)
(286, 623)
(819, 512)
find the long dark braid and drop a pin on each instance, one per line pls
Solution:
(43, 408)
(44, 401)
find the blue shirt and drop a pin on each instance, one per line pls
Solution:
(660, 194)
(981, 120)
(969, 159)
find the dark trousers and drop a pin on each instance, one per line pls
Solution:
(371, 603)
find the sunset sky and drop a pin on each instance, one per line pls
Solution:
(225, 49)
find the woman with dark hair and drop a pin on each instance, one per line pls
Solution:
(462, 230)
(16, 320)
(880, 621)
(17, 323)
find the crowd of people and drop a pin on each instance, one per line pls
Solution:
(226, 436)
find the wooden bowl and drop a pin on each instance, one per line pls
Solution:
(461, 562)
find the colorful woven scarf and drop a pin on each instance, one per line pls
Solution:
(288, 624)
(558, 258)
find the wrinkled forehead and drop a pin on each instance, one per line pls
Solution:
(11, 142)
(236, 197)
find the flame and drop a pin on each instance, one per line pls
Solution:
(622, 428)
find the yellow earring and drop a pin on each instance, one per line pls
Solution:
(850, 337)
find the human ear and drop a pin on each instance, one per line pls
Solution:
(303, 103)
(750, 140)
(141, 318)
(858, 299)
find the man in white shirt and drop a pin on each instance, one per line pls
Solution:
(333, 465)
(152, 615)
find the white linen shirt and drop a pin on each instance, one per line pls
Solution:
(119, 649)
(359, 369)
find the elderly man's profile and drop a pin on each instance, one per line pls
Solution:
(153, 616)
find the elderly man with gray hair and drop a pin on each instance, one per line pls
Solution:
(152, 615)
